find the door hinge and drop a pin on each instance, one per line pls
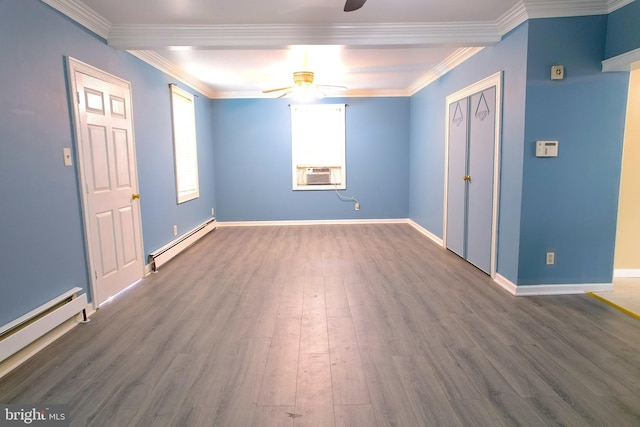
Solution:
(96, 274)
(78, 97)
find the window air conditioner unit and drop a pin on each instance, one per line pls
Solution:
(318, 176)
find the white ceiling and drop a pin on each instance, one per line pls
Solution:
(237, 48)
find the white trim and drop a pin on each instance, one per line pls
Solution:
(149, 37)
(505, 283)
(566, 8)
(486, 83)
(83, 15)
(613, 5)
(512, 18)
(626, 273)
(425, 232)
(557, 289)
(563, 289)
(138, 39)
(451, 62)
(172, 70)
(628, 61)
(311, 222)
(350, 93)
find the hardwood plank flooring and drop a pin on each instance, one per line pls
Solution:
(336, 325)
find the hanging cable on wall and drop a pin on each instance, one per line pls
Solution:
(347, 199)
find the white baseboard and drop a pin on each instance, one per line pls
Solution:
(626, 272)
(311, 222)
(505, 283)
(556, 289)
(426, 232)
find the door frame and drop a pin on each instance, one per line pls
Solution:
(74, 66)
(486, 83)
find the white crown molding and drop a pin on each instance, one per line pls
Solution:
(512, 18)
(159, 62)
(83, 15)
(628, 61)
(613, 5)
(145, 37)
(455, 59)
(557, 9)
(470, 36)
(348, 94)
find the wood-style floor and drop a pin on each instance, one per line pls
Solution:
(337, 325)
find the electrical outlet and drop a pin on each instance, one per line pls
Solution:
(551, 258)
(213, 212)
(175, 230)
(357, 206)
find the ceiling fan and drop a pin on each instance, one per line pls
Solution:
(303, 85)
(352, 5)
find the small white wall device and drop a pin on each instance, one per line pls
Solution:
(546, 148)
(557, 72)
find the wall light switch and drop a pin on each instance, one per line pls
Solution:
(66, 153)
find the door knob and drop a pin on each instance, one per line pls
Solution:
(467, 178)
(135, 196)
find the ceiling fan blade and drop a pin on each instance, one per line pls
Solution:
(352, 5)
(284, 94)
(277, 90)
(332, 87)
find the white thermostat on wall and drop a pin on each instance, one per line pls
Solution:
(546, 148)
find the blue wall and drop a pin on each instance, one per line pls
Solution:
(395, 152)
(428, 108)
(253, 162)
(41, 231)
(623, 30)
(569, 203)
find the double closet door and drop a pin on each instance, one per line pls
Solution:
(471, 163)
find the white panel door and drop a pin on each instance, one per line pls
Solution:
(109, 178)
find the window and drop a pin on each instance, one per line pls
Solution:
(184, 144)
(318, 147)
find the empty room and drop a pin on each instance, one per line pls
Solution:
(320, 213)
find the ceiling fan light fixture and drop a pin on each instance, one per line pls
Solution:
(303, 78)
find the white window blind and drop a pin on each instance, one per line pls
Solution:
(318, 146)
(184, 144)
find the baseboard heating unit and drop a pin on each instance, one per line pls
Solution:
(16, 335)
(170, 250)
